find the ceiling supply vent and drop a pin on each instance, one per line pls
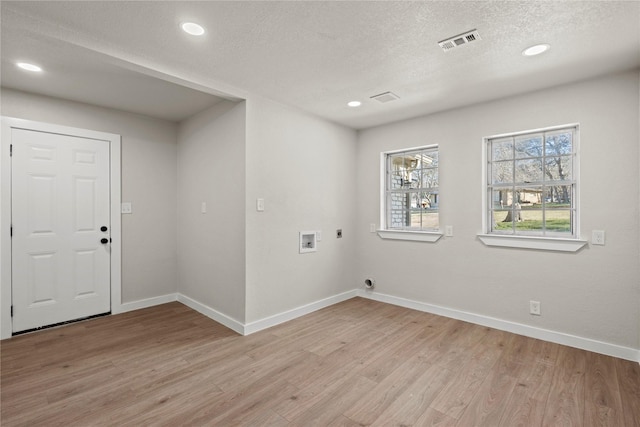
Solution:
(385, 97)
(459, 40)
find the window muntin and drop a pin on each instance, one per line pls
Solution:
(531, 183)
(411, 190)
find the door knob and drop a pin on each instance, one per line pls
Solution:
(104, 240)
(103, 228)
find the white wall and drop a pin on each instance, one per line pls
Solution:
(593, 293)
(211, 245)
(148, 181)
(304, 168)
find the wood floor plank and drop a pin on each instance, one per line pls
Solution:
(380, 397)
(359, 362)
(457, 394)
(527, 400)
(565, 402)
(628, 374)
(603, 405)
(415, 400)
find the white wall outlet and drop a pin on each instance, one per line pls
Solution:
(126, 208)
(260, 205)
(318, 236)
(534, 307)
(448, 230)
(372, 228)
(597, 237)
(203, 207)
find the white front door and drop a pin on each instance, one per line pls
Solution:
(60, 214)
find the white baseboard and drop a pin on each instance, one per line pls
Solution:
(285, 316)
(601, 347)
(213, 314)
(144, 303)
(608, 349)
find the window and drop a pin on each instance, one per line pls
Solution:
(532, 183)
(411, 195)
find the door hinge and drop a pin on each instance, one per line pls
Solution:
(11, 231)
(11, 311)
(10, 150)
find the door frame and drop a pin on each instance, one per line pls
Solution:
(8, 123)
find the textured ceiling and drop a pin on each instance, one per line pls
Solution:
(315, 56)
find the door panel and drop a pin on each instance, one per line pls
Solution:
(60, 199)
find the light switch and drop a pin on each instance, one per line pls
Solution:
(203, 207)
(260, 205)
(126, 208)
(448, 230)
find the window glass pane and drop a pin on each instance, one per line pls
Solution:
(396, 163)
(559, 143)
(426, 219)
(558, 196)
(427, 200)
(429, 178)
(558, 220)
(529, 170)
(529, 197)
(559, 168)
(502, 149)
(427, 159)
(502, 172)
(501, 198)
(529, 220)
(528, 146)
(399, 219)
(502, 220)
(396, 180)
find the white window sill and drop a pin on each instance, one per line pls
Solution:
(416, 236)
(533, 242)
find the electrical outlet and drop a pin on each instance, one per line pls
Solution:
(448, 230)
(597, 237)
(372, 227)
(339, 233)
(534, 308)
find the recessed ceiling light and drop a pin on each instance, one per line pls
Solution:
(536, 50)
(193, 28)
(354, 104)
(29, 67)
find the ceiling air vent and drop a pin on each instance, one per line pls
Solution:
(459, 40)
(385, 97)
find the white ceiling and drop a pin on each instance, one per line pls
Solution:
(313, 55)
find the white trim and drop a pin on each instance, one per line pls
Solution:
(383, 198)
(418, 148)
(288, 315)
(524, 132)
(5, 210)
(588, 344)
(147, 302)
(213, 314)
(532, 242)
(416, 236)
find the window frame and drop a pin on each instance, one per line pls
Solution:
(545, 241)
(385, 232)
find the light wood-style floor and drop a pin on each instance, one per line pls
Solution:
(357, 363)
